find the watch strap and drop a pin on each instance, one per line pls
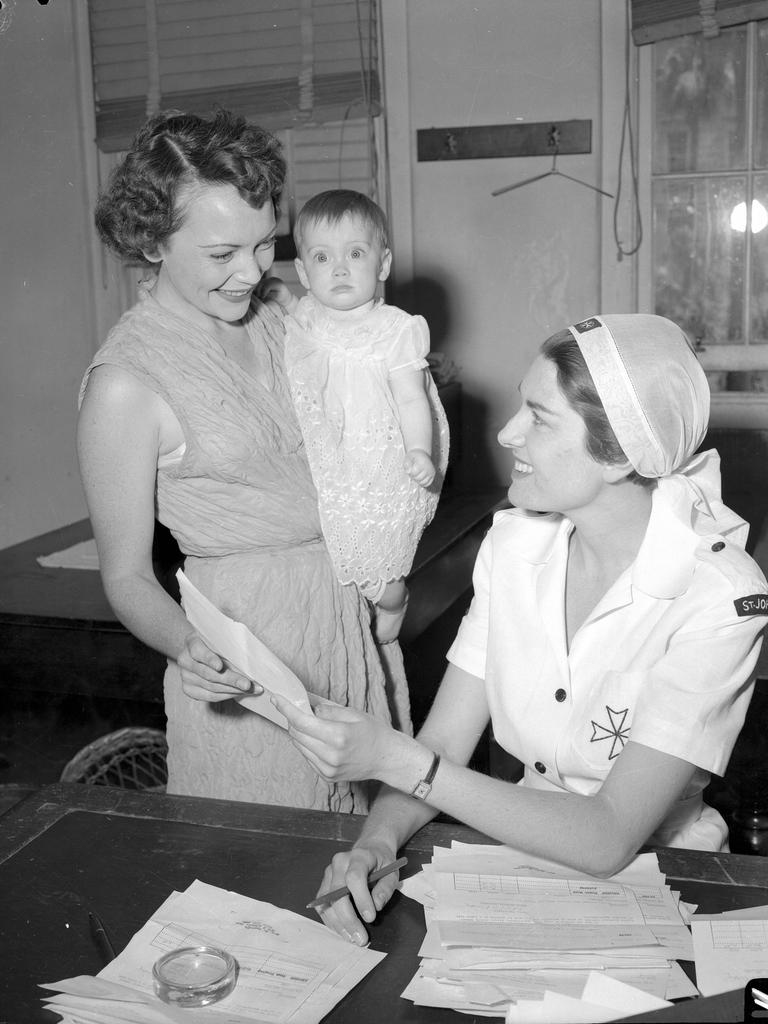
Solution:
(424, 787)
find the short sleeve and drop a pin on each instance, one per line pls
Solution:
(409, 349)
(468, 651)
(695, 698)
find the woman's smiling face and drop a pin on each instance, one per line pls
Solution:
(552, 470)
(212, 264)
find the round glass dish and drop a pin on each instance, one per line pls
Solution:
(194, 975)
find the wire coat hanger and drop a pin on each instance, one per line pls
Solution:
(554, 140)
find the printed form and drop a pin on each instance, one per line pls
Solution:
(731, 949)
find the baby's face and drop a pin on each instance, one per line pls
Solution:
(341, 264)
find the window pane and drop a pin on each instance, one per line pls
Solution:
(761, 96)
(699, 117)
(698, 257)
(759, 270)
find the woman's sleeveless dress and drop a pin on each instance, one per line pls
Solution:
(243, 509)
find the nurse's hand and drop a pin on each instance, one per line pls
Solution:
(352, 869)
(206, 676)
(342, 744)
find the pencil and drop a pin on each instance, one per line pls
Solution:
(100, 937)
(334, 894)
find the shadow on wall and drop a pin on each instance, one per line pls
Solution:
(471, 452)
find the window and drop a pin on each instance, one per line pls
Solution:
(709, 197)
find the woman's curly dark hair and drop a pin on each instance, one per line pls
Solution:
(139, 210)
(575, 381)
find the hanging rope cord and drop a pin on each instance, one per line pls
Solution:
(365, 81)
(627, 137)
(367, 88)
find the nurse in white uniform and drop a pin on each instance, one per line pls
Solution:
(611, 641)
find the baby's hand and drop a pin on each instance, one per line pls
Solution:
(419, 467)
(274, 289)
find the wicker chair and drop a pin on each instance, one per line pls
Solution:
(131, 758)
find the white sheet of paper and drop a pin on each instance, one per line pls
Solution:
(238, 646)
(425, 991)
(603, 999)
(503, 934)
(642, 870)
(559, 1009)
(532, 984)
(605, 990)
(679, 985)
(80, 556)
(420, 887)
(729, 951)
(545, 901)
(476, 958)
(745, 913)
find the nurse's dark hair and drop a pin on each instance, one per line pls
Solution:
(139, 209)
(332, 206)
(576, 383)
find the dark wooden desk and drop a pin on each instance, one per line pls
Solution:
(58, 633)
(70, 848)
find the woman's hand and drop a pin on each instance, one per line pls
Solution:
(342, 744)
(352, 869)
(274, 289)
(206, 676)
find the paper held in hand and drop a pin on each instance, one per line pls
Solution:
(244, 652)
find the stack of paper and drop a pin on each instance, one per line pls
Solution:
(291, 969)
(505, 930)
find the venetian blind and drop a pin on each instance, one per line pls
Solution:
(341, 154)
(281, 63)
(663, 19)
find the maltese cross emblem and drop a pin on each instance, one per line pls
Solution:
(616, 732)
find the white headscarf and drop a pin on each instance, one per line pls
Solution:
(656, 397)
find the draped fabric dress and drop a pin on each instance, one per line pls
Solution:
(240, 502)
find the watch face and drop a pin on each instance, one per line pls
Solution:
(422, 790)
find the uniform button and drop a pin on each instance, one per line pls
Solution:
(540, 767)
(560, 695)
(718, 545)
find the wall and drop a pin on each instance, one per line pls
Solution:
(46, 334)
(495, 276)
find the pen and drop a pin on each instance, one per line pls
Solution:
(334, 894)
(101, 938)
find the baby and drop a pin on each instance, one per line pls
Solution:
(375, 431)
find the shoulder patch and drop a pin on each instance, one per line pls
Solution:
(756, 604)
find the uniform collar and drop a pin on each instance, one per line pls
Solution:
(665, 562)
(533, 536)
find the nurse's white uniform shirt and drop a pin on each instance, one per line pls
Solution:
(665, 658)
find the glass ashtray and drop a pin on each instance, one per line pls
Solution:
(194, 975)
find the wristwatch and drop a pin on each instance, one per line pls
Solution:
(424, 787)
